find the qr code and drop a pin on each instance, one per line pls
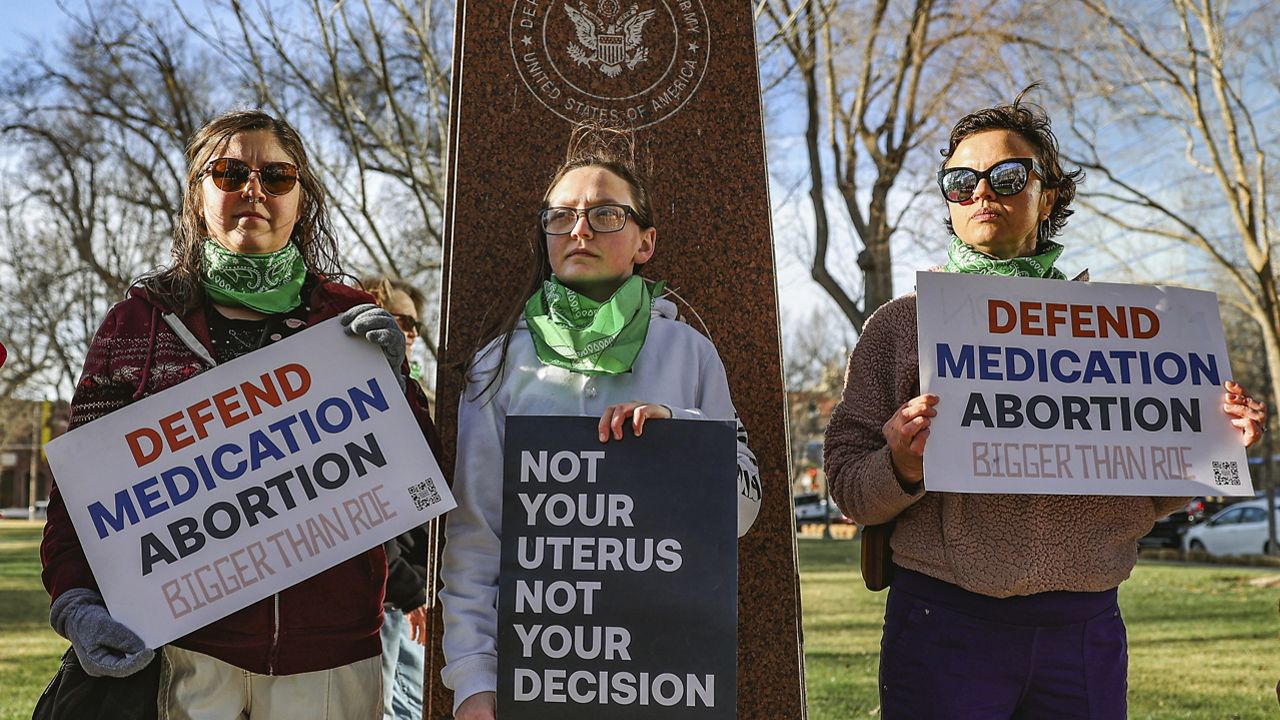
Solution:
(424, 494)
(1226, 472)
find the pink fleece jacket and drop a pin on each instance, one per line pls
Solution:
(997, 545)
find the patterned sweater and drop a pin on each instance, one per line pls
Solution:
(997, 545)
(326, 621)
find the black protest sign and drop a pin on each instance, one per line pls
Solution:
(618, 591)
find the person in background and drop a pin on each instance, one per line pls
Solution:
(404, 624)
(1000, 606)
(254, 261)
(405, 302)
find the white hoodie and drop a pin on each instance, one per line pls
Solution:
(677, 367)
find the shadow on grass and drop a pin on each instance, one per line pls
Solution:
(23, 609)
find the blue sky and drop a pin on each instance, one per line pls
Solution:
(20, 19)
(24, 19)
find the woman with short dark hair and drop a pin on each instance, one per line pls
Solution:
(1001, 606)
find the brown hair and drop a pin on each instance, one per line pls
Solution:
(1032, 123)
(178, 285)
(590, 145)
(381, 287)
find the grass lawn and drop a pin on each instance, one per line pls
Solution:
(1203, 642)
(29, 649)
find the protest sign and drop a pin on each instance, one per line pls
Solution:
(618, 588)
(1075, 388)
(246, 479)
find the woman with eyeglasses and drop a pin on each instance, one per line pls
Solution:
(587, 336)
(1000, 606)
(253, 261)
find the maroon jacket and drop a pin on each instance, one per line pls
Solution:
(327, 621)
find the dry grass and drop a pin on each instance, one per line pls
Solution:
(30, 649)
(1204, 640)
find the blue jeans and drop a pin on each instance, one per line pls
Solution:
(402, 669)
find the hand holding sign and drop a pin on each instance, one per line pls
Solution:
(104, 646)
(906, 432)
(614, 416)
(380, 328)
(1246, 413)
(481, 706)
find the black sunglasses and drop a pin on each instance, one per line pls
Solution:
(1007, 177)
(601, 218)
(407, 323)
(232, 175)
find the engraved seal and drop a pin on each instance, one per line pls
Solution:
(635, 64)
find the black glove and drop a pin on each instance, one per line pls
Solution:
(103, 645)
(380, 328)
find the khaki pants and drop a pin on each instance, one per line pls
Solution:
(194, 686)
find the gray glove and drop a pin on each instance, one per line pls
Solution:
(380, 328)
(104, 646)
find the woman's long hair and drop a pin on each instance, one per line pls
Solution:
(590, 145)
(179, 285)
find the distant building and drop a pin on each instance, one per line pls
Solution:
(809, 411)
(27, 426)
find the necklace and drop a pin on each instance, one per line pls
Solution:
(234, 338)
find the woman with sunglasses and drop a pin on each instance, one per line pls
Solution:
(253, 262)
(405, 303)
(404, 624)
(1000, 606)
(588, 336)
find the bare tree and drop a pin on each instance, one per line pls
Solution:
(370, 81)
(94, 127)
(94, 178)
(880, 81)
(1169, 114)
(816, 348)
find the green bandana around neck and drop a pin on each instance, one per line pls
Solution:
(269, 283)
(572, 331)
(963, 258)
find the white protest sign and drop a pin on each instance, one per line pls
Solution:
(1075, 388)
(245, 480)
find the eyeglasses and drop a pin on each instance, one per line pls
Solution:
(232, 175)
(408, 323)
(1007, 177)
(601, 218)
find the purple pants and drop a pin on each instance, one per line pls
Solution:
(950, 653)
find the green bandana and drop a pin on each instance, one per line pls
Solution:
(963, 258)
(270, 283)
(572, 331)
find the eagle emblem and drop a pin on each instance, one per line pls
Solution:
(606, 38)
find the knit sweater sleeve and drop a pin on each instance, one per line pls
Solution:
(98, 392)
(883, 373)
